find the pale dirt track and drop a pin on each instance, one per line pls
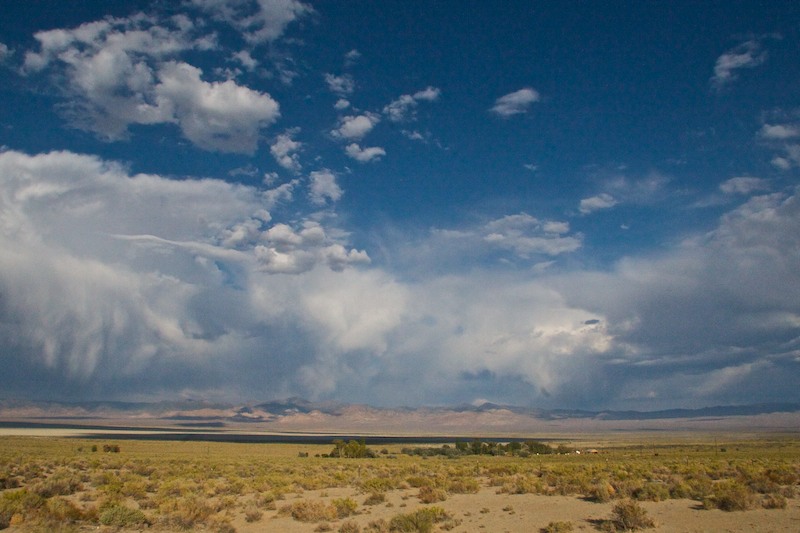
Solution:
(490, 512)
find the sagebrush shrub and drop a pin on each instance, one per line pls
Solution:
(431, 495)
(773, 501)
(253, 514)
(628, 515)
(602, 492)
(558, 527)
(730, 495)
(310, 511)
(349, 527)
(375, 498)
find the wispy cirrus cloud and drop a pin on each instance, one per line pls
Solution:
(515, 103)
(596, 203)
(747, 55)
(259, 21)
(622, 189)
(782, 136)
(341, 85)
(744, 185)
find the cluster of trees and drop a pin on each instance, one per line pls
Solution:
(107, 448)
(357, 449)
(479, 447)
(351, 450)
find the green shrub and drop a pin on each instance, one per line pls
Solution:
(730, 495)
(19, 502)
(679, 489)
(119, 515)
(344, 507)
(266, 500)
(419, 481)
(652, 492)
(351, 450)
(421, 521)
(463, 485)
(61, 483)
(380, 484)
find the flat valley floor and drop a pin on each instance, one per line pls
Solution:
(63, 484)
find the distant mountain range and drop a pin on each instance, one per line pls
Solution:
(293, 406)
(299, 405)
(300, 415)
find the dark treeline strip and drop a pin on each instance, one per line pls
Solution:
(479, 447)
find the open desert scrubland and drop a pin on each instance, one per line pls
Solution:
(58, 484)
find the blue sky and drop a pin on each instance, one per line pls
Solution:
(406, 203)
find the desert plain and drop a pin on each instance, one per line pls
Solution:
(100, 480)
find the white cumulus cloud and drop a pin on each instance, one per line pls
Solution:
(340, 85)
(120, 72)
(364, 155)
(354, 127)
(284, 150)
(403, 108)
(110, 276)
(323, 187)
(219, 116)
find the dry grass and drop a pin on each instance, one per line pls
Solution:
(190, 485)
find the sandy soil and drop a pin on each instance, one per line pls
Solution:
(499, 513)
(488, 511)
